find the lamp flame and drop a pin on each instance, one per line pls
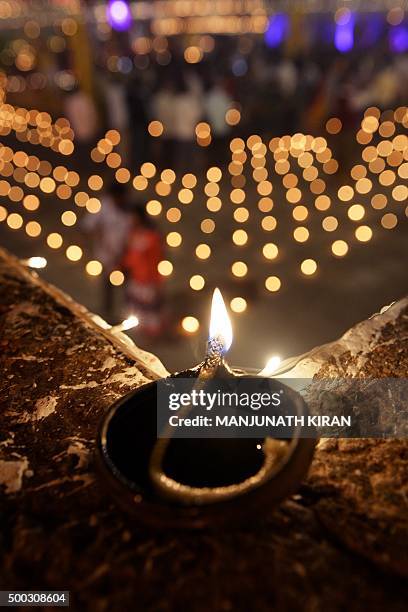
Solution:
(131, 321)
(36, 262)
(271, 365)
(220, 324)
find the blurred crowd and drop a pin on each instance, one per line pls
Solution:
(274, 94)
(124, 237)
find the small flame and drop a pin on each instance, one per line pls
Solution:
(220, 324)
(131, 321)
(36, 262)
(271, 366)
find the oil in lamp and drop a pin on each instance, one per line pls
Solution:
(198, 482)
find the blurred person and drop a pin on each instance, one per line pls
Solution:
(80, 110)
(187, 112)
(109, 230)
(163, 111)
(137, 99)
(117, 111)
(143, 252)
(216, 103)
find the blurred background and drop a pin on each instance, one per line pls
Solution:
(151, 151)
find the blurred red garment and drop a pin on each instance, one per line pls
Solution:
(143, 281)
(143, 254)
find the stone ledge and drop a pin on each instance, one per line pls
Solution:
(340, 542)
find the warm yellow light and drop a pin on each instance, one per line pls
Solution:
(300, 213)
(122, 175)
(116, 278)
(363, 233)
(273, 283)
(128, 323)
(400, 193)
(74, 252)
(148, 170)
(214, 204)
(308, 267)
(54, 240)
(173, 215)
(333, 125)
(239, 268)
(339, 248)
(197, 282)
(185, 196)
(95, 182)
(345, 193)
(14, 221)
(81, 198)
(265, 204)
(165, 267)
(214, 174)
(47, 185)
(364, 185)
(31, 202)
(270, 250)
(232, 116)
(193, 55)
(174, 239)
(330, 224)
(93, 205)
(168, 176)
(189, 181)
(356, 212)
(322, 202)
(271, 365)
(190, 324)
(238, 304)
(155, 129)
(220, 324)
(68, 218)
(162, 189)
(207, 226)
(211, 189)
(33, 229)
(154, 207)
(269, 223)
(94, 267)
(239, 237)
(203, 251)
(293, 195)
(301, 234)
(3, 213)
(379, 201)
(140, 182)
(203, 130)
(241, 214)
(389, 221)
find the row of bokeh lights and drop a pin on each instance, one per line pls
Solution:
(35, 173)
(278, 26)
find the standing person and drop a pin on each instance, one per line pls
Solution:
(142, 255)
(109, 230)
(80, 110)
(216, 104)
(163, 111)
(137, 98)
(187, 112)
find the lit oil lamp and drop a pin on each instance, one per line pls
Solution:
(198, 481)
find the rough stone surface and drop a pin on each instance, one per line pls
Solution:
(340, 542)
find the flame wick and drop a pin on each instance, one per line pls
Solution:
(220, 336)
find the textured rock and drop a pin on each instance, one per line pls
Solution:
(340, 542)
